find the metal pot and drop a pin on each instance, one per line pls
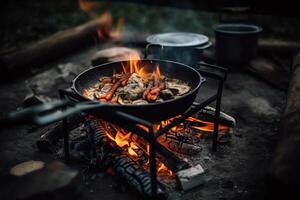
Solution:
(236, 44)
(186, 48)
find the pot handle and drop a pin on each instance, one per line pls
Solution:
(208, 44)
(152, 45)
(212, 71)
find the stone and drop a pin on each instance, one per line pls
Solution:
(26, 167)
(190, 178)
(53, 180)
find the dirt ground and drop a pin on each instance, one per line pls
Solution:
(236, 171)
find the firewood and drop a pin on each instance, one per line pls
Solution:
(173, 162)
(137, 178)
(50, 134)
(180, 147)
(126, 168)
(270, 71)
(208, 114)
(276, 45)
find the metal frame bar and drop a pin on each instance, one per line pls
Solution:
(129, 122)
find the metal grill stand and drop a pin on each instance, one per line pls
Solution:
(129, 122)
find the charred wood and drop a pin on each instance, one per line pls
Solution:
(208, 114)
(126, 168)
(175, 144)
(50, 134)
(137, 178)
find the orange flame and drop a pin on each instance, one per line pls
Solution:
(136, 66)
(126, 140)
(207, 126)
(163, 169)
(107, 31)
(88, 7)
(131, 149)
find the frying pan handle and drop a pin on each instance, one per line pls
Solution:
(212, 71)
(152, 45)
(68, 93)
(47, 113)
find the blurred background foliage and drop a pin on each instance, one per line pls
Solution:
(23, 22)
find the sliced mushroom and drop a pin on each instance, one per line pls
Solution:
(177, 87)
(134, 88)
(166, 94)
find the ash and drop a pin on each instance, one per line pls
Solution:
(236, 171)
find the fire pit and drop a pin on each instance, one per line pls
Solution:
(171, 143)
(143, 139)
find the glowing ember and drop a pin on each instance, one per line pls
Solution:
(138, 147)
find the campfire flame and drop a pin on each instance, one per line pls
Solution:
(135, 66)
(106, 32)
(133, 144)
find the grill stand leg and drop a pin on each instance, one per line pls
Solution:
(153, 170)
(217, 116)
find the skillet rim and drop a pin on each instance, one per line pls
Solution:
(200, 82)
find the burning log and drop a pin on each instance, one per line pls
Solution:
(135, 177)
(54, 46)
(127, 169)
(49, 137)
(286, 164)
(50, 134)
(208, 114)
(176, 144)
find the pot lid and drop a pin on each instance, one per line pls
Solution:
(178, 39)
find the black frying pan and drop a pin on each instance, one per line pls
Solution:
(152, 112)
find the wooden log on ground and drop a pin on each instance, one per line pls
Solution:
(270, 71)
(113, 55)
(53, 181)
(208, 114)
(286, 164)
(54, 46)
(276, 45)
(50, 134)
